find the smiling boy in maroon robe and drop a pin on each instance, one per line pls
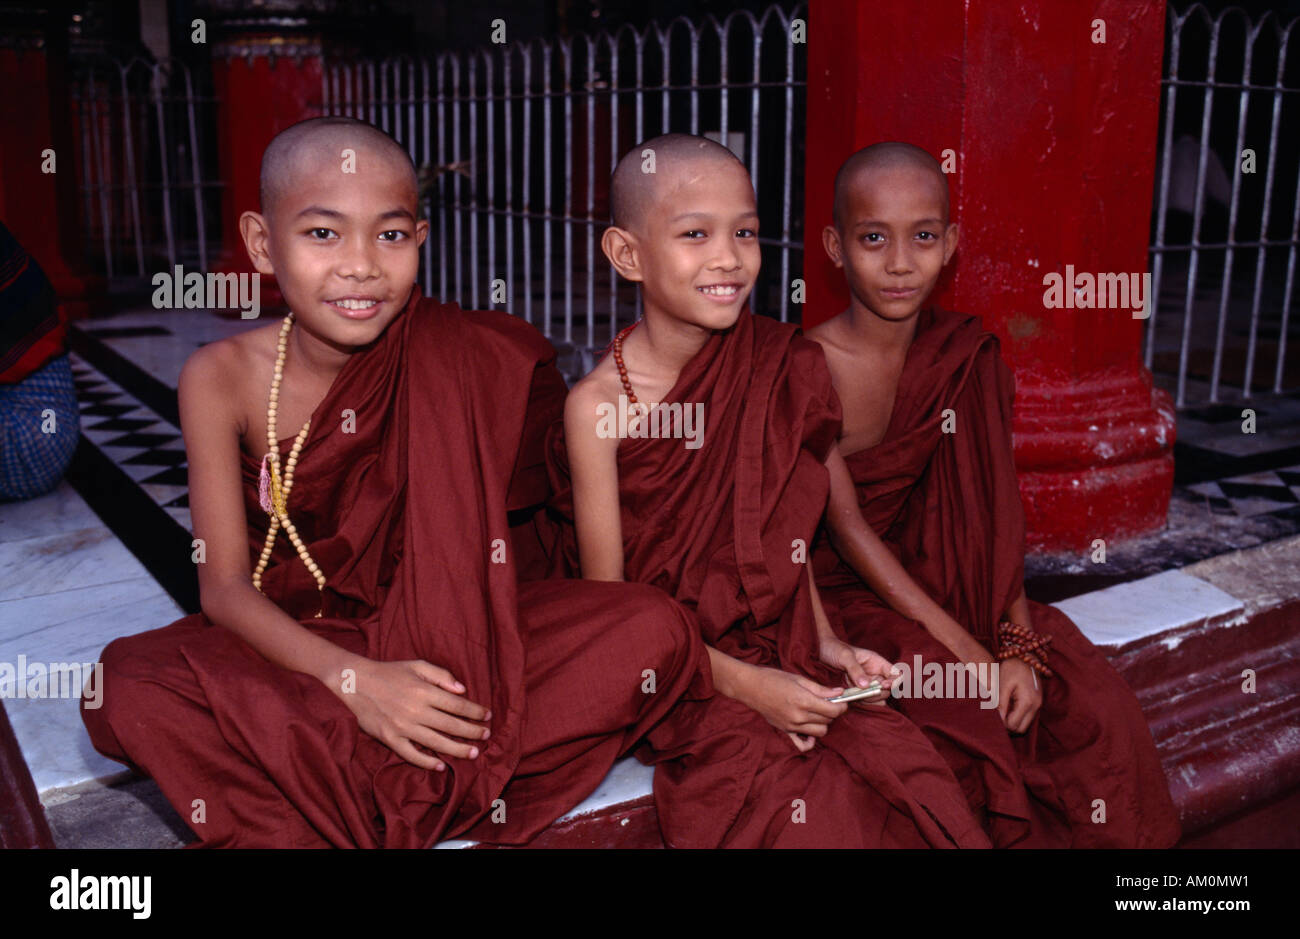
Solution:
(713, 496)
(1066, 758)
(378, 677)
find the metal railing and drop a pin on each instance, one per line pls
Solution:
(147, 180)
(1227, 206)
(518, 142)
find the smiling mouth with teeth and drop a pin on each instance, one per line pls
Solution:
(720, 290)
(355, 304)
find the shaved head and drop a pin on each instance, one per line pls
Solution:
(633, 189)
(886, 156)
(310, 144)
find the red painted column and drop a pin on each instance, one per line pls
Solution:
(263, 84)
(1054, 137)
(40, 208)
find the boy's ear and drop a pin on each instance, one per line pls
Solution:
(620, 247)
(257, 238)
(950, 239)
(833, 246)
(421, 232)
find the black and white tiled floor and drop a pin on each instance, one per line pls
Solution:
(148, 448)
(1253, 494)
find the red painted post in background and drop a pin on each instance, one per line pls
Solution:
(1053, 135)
(40, 207)
(263, 84)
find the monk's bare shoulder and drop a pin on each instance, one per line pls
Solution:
(829, 334)
(840, 354)
(582, 408)
(216, 378)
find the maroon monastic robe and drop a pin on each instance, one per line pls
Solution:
(725, 529)
(948, 505)
(407, 517)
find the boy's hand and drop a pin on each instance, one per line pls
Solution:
(1020, 696)
(861, 665)
(791, 703)
(413, 705)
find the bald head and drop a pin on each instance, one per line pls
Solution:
(319, 142)
(632, 190)
(886, 156)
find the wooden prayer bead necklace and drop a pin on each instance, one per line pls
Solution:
(273, 494)
(618, 361)
(1020, 642)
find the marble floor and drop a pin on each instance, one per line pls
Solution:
(68, 587)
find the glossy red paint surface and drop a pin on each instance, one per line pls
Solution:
(41, 208)
(257, 98)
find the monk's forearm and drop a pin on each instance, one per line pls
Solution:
(1018, 611)
(276, 635)
(728, 673)
(883, 573)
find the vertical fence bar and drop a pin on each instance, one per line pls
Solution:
(490, 169)
(613, 162)
(457, 210)
(788, 181)
(475, 275)
(753, 99)
(695, 78)
(199, 215)
(566, 47)
(724, 35)
(1262, 252)
(132, 183)
(372, 86)
(1242, 110)
(547, 188)
(526, 171)
(440, 187)
(508, 105)
(105, 215)
(640, 84)
(434, 178)
(1198, 213)
(1162, 202)
(753, 134)
(665, 105)
(1279, 368)
(591, 191)
(168, 228)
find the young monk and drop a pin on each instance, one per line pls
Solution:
(377, 677)
(1066, 758)
(713, 497)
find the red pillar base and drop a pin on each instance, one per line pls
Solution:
(1095, 461)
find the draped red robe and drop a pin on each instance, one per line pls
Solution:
(948, 505)
(720, 528)
(407, 517)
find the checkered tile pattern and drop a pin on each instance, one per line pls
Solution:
(146, 447)
(1264, 493)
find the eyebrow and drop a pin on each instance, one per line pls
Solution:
(868, 222)
(332, 213)
(684, 215)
